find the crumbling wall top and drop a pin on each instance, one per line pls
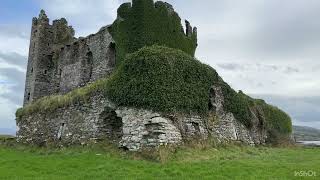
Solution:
(165, 4)
(43, 17)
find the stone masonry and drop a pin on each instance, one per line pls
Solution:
(58, 62)
(99, 119)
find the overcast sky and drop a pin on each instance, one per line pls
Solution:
(268, 48)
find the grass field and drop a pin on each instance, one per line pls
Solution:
(234, 162)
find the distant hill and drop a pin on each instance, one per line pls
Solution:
(7, 131)
(302, 133)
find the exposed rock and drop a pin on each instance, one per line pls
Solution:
(143, 128)
(225, 127)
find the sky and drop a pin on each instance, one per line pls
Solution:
(269, 49)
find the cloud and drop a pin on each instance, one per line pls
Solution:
(257, 67)
(12, 30)
(11, 93)
(7, 116)
(12, 77)
(14, 43)
(230, 66)
(291, 28)
(270, 78)
(14, 86)
(256, 29)
(14, 59)
(303, 110)
(86, 16)
(290, 70)
(14, 38)
(246, 67)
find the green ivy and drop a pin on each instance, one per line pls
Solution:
(278, 123)
(162, 79)
(146, 23)
(238, 104)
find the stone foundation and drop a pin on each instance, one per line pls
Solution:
(142, 128)
(133, 129)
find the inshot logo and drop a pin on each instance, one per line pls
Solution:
(308, 173)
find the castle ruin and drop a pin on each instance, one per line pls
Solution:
(59, 62)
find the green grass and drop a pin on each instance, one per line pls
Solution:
(51, 103)
(231, 162)
(5, 136)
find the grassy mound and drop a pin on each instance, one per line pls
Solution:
(146, 23)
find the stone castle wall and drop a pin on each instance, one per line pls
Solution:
(59, 63)
(130, 128)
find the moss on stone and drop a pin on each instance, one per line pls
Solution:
(50, 103)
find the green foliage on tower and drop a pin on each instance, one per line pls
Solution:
(145, 23)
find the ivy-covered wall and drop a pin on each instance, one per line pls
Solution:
(145, 23)
(169, 80)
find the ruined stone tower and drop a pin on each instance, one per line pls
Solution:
(58, 62)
